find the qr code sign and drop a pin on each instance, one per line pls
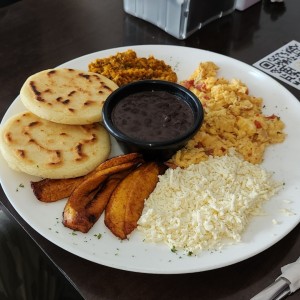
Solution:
(284, 64)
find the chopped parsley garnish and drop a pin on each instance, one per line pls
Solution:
(174, 250)
(98, 236)
(21, 185)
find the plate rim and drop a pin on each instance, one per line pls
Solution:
(135, 269)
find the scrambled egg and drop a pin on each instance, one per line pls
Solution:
(233, 119)
(126, 67)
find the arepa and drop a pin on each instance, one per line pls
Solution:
(46, 149)
(66, 96)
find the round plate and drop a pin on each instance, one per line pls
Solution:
(100, 246)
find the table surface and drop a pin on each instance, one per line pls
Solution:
(37, 35)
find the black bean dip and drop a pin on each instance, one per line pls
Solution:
(153, 116)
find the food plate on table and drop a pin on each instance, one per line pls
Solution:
(282, 212)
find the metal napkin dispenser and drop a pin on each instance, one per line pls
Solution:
(179, 18)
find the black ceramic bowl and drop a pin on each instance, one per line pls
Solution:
(151, 148)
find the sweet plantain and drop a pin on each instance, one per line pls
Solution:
(78, 210)
(51, 190)
(127, 200)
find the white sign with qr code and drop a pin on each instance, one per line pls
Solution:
(284, 64)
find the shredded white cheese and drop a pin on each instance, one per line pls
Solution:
(206, 205)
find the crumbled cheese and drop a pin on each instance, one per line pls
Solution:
(287, 212)
(287, 201)
(206, 205)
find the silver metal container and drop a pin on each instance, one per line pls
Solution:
(179, 18)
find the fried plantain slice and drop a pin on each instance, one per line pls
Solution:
(79, 198)
(90, 215)
(127, 200)
(143, 183)
(78, 219)
(118, 160)
(51, 190)
(98, 204)
(86, 218)
(74, 215)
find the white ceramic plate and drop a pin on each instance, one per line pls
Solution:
(136, 255)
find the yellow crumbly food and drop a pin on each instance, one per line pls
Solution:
(233, 119)
(126, 67)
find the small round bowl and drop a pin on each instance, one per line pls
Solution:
(153, 150)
